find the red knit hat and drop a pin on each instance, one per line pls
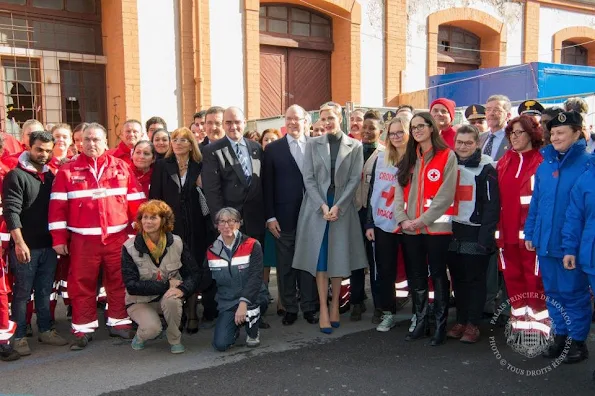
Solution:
(449, 104)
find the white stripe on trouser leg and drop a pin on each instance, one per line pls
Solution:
(536, 266)
(252, 316)
(401, 285)
(540, 315)
(431, 295)
(523, 325)
(402, 293)
(118, 322)
(86, 328)
(502, 258)
(518, 311)
(5, 334)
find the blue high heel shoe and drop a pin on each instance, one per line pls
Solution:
(326, 330)
(335, 325)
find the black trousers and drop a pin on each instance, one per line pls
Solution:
(423, 251)
(468, 273)
(386, 252)
(290, 278)
(358, 277)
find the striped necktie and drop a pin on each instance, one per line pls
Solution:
(244, 162)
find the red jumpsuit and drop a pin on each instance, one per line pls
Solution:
(520, 266)
(93, 202)
(7, 327)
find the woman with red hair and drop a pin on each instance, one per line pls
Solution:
(516, 174)
(159, 272)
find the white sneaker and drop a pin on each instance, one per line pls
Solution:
(413, 323)
(253, 342)
(388, 322)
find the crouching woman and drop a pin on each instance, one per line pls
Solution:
(159, 273)
(235, 261)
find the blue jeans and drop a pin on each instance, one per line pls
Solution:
(224, 335)
(37, 274)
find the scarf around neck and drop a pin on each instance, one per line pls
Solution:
(156, 249)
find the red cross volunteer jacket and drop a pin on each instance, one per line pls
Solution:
(93, 197)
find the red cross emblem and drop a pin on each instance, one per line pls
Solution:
(433, 175)
(463, 193)
(389, 196)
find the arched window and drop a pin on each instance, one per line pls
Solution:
(573, 54)
(458, 50)
(294, 23)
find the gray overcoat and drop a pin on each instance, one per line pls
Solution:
(346, 245)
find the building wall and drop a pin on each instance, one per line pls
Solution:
(227, 53)
(416, 72)
(372, 53)
(159, 60)
(551, 21)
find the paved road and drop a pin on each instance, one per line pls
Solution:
(372, 363)
(295, 360)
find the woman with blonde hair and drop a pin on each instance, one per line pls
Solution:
(382, 227)
(176, 181)
(158, 271)
(328, 236)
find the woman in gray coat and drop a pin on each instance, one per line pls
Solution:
(329, 241)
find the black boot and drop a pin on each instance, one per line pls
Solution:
(420, 304)
(441, 297)
(577, 353)
(555, 350)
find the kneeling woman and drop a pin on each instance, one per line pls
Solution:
(235, 261)
(159, 273)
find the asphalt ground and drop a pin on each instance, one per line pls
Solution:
(294, 360)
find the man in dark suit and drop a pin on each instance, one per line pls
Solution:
(283, 193)
(494, 142)
(231, 174)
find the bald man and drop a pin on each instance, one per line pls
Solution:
(231, 174)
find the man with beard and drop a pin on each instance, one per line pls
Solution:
(356, 122)
(443, 112)
(26, 198)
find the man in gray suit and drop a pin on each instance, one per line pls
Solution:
(494, 143)
(498, 112)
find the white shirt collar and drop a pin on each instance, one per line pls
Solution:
(241, 142)
(301, 140)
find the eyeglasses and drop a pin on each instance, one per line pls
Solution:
(517, 133)
(294, 119)
(396, 134)
(419, 127)
(494, 111)
(467, 143)
(180, 140)
(229, 222)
